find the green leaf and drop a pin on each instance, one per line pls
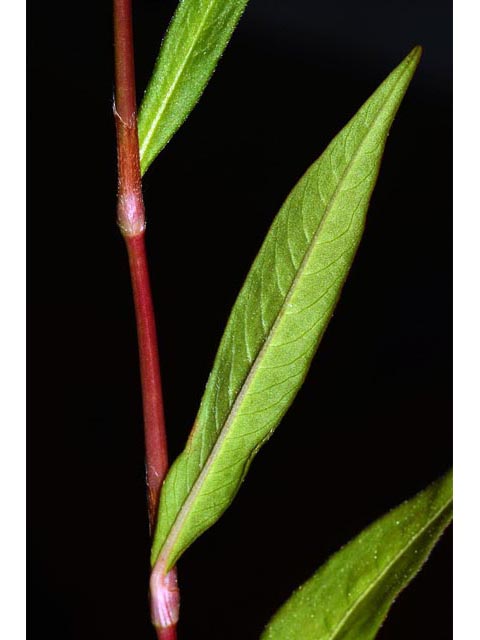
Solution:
(349, 597)
(196, 38)
(277, 322)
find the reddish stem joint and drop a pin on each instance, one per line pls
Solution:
(130, 208)
(164, 602)
(130, 212)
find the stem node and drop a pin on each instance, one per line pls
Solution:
(164, 598)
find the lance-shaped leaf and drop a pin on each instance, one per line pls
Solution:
(349, 597)
(196, 38)
(277, 321)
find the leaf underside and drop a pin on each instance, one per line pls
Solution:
(349, 597)
(195, 40)
(277, 321)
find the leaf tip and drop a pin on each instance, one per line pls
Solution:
(416, 54)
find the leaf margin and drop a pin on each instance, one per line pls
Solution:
(409, 65)
(439, 522)
(150, 116)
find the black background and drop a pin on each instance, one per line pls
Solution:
(372, 424)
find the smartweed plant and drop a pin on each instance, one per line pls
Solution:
(272, 334)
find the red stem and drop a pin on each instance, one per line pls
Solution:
(170, 633)
(167, 634)
(131, 219)
(155, 436)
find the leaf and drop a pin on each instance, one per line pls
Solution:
(349, 597)
(195, 40)
(277, 322)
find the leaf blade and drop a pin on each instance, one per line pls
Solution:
(349, 597)
(277, 321)
(195, 40)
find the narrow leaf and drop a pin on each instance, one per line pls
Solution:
(349, 597)
(196, 38)
(277, 322)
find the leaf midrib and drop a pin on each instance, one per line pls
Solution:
(173, 86)
(386, 570)
(197, 485)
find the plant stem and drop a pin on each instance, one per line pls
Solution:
(155, 437)
(164, 593)
(169, 634)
